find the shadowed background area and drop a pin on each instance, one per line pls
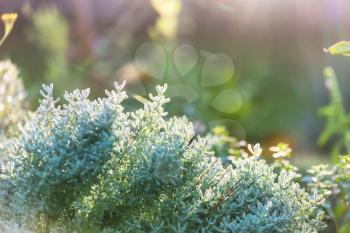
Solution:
(254, 66)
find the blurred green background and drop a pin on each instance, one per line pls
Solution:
(254, 66)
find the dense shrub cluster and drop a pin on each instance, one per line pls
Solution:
(90, 166)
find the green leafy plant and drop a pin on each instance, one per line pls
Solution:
(337, 119)
(333, 182)
(337, 122)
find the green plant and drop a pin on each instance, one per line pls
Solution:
(333, 182)
(223, 144)
(90, 166)
(337, 120)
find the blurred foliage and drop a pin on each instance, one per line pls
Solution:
(333, 182)
(50, 34)
(224, 145)
(337, 121)
(13, 104)
(256, 85)
(207, 87)
(167, 22)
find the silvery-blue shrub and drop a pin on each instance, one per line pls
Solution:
(63, 149)
(90, 166)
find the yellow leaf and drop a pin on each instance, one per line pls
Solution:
(340, 48)
(8, 20)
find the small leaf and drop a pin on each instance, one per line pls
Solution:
(8, 20)
(340, 48)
